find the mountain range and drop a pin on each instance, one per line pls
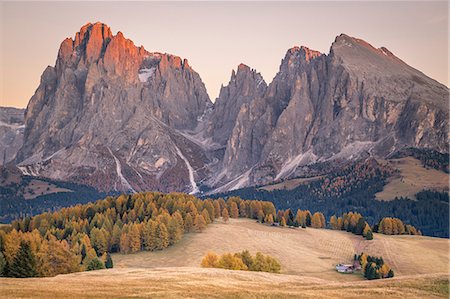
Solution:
(115, 116)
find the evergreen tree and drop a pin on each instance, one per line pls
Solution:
(2, 264)
(308, 218)
(95, 264)
(24, 262)
(369, 235)
(109, 261)
(360, 226)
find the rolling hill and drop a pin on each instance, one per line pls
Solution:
(307, 258)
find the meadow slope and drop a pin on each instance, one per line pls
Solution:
(307, 256)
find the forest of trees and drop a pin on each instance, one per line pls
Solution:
(428, 157)
(394, 226)
(374, 267)
(242, 261)
(82, 237)
(336, 194)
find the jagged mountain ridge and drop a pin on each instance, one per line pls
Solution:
(356, 100)
(113, 115)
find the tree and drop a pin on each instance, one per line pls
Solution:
(95, 264)
(55, 257)
(23, 263)
(269, 218)
(231, 262)
(360, 226)
(225, 215)
(199, 223)
(308, 218)
(217, 210)
(124, 243)
(334, 223)
(210, 260)
(369, 235)
(175, 231)
(206, 216)
(247, 258)
(2, 264)
(162, 236)
(108, 261)
(134, 238)
(283, 221)
(234, 211)
(188, 223)
(316, 221)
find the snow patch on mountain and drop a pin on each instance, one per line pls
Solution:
(145, 74)
(123, 180)
(190, 170)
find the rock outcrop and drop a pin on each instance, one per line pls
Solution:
(11, 132)
(356, 100)
(107, 115)
(115, 116)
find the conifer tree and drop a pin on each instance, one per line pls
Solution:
(23, 263)
(95, 264)
(199, 223)
(162, 240)
(2, 265)
(188, 223)
(206, 216)
(369, 235)
(225, 215)
(334, 222)
(217, 209)
(234, 210)
(108, 261)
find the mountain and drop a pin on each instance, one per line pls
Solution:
(11, 132)
(355, 101)
(107, 115)
(117, 117)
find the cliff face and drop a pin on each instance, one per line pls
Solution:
(114, 116)
(11, 132)
(358, 100)
(107, 115)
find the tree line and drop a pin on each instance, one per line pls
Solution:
(429, 213)
(82, 237)
(242, 261)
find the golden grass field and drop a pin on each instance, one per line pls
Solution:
(307, 257)
(412, 179)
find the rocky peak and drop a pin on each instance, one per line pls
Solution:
(245, 85)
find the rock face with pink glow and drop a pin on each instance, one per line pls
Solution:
(117, 117)
(108, 105)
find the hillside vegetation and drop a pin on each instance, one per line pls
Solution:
(307, 258)
(411, 178)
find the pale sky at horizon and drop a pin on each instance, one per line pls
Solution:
(216, 36)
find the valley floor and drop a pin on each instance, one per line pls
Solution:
(307, 257)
